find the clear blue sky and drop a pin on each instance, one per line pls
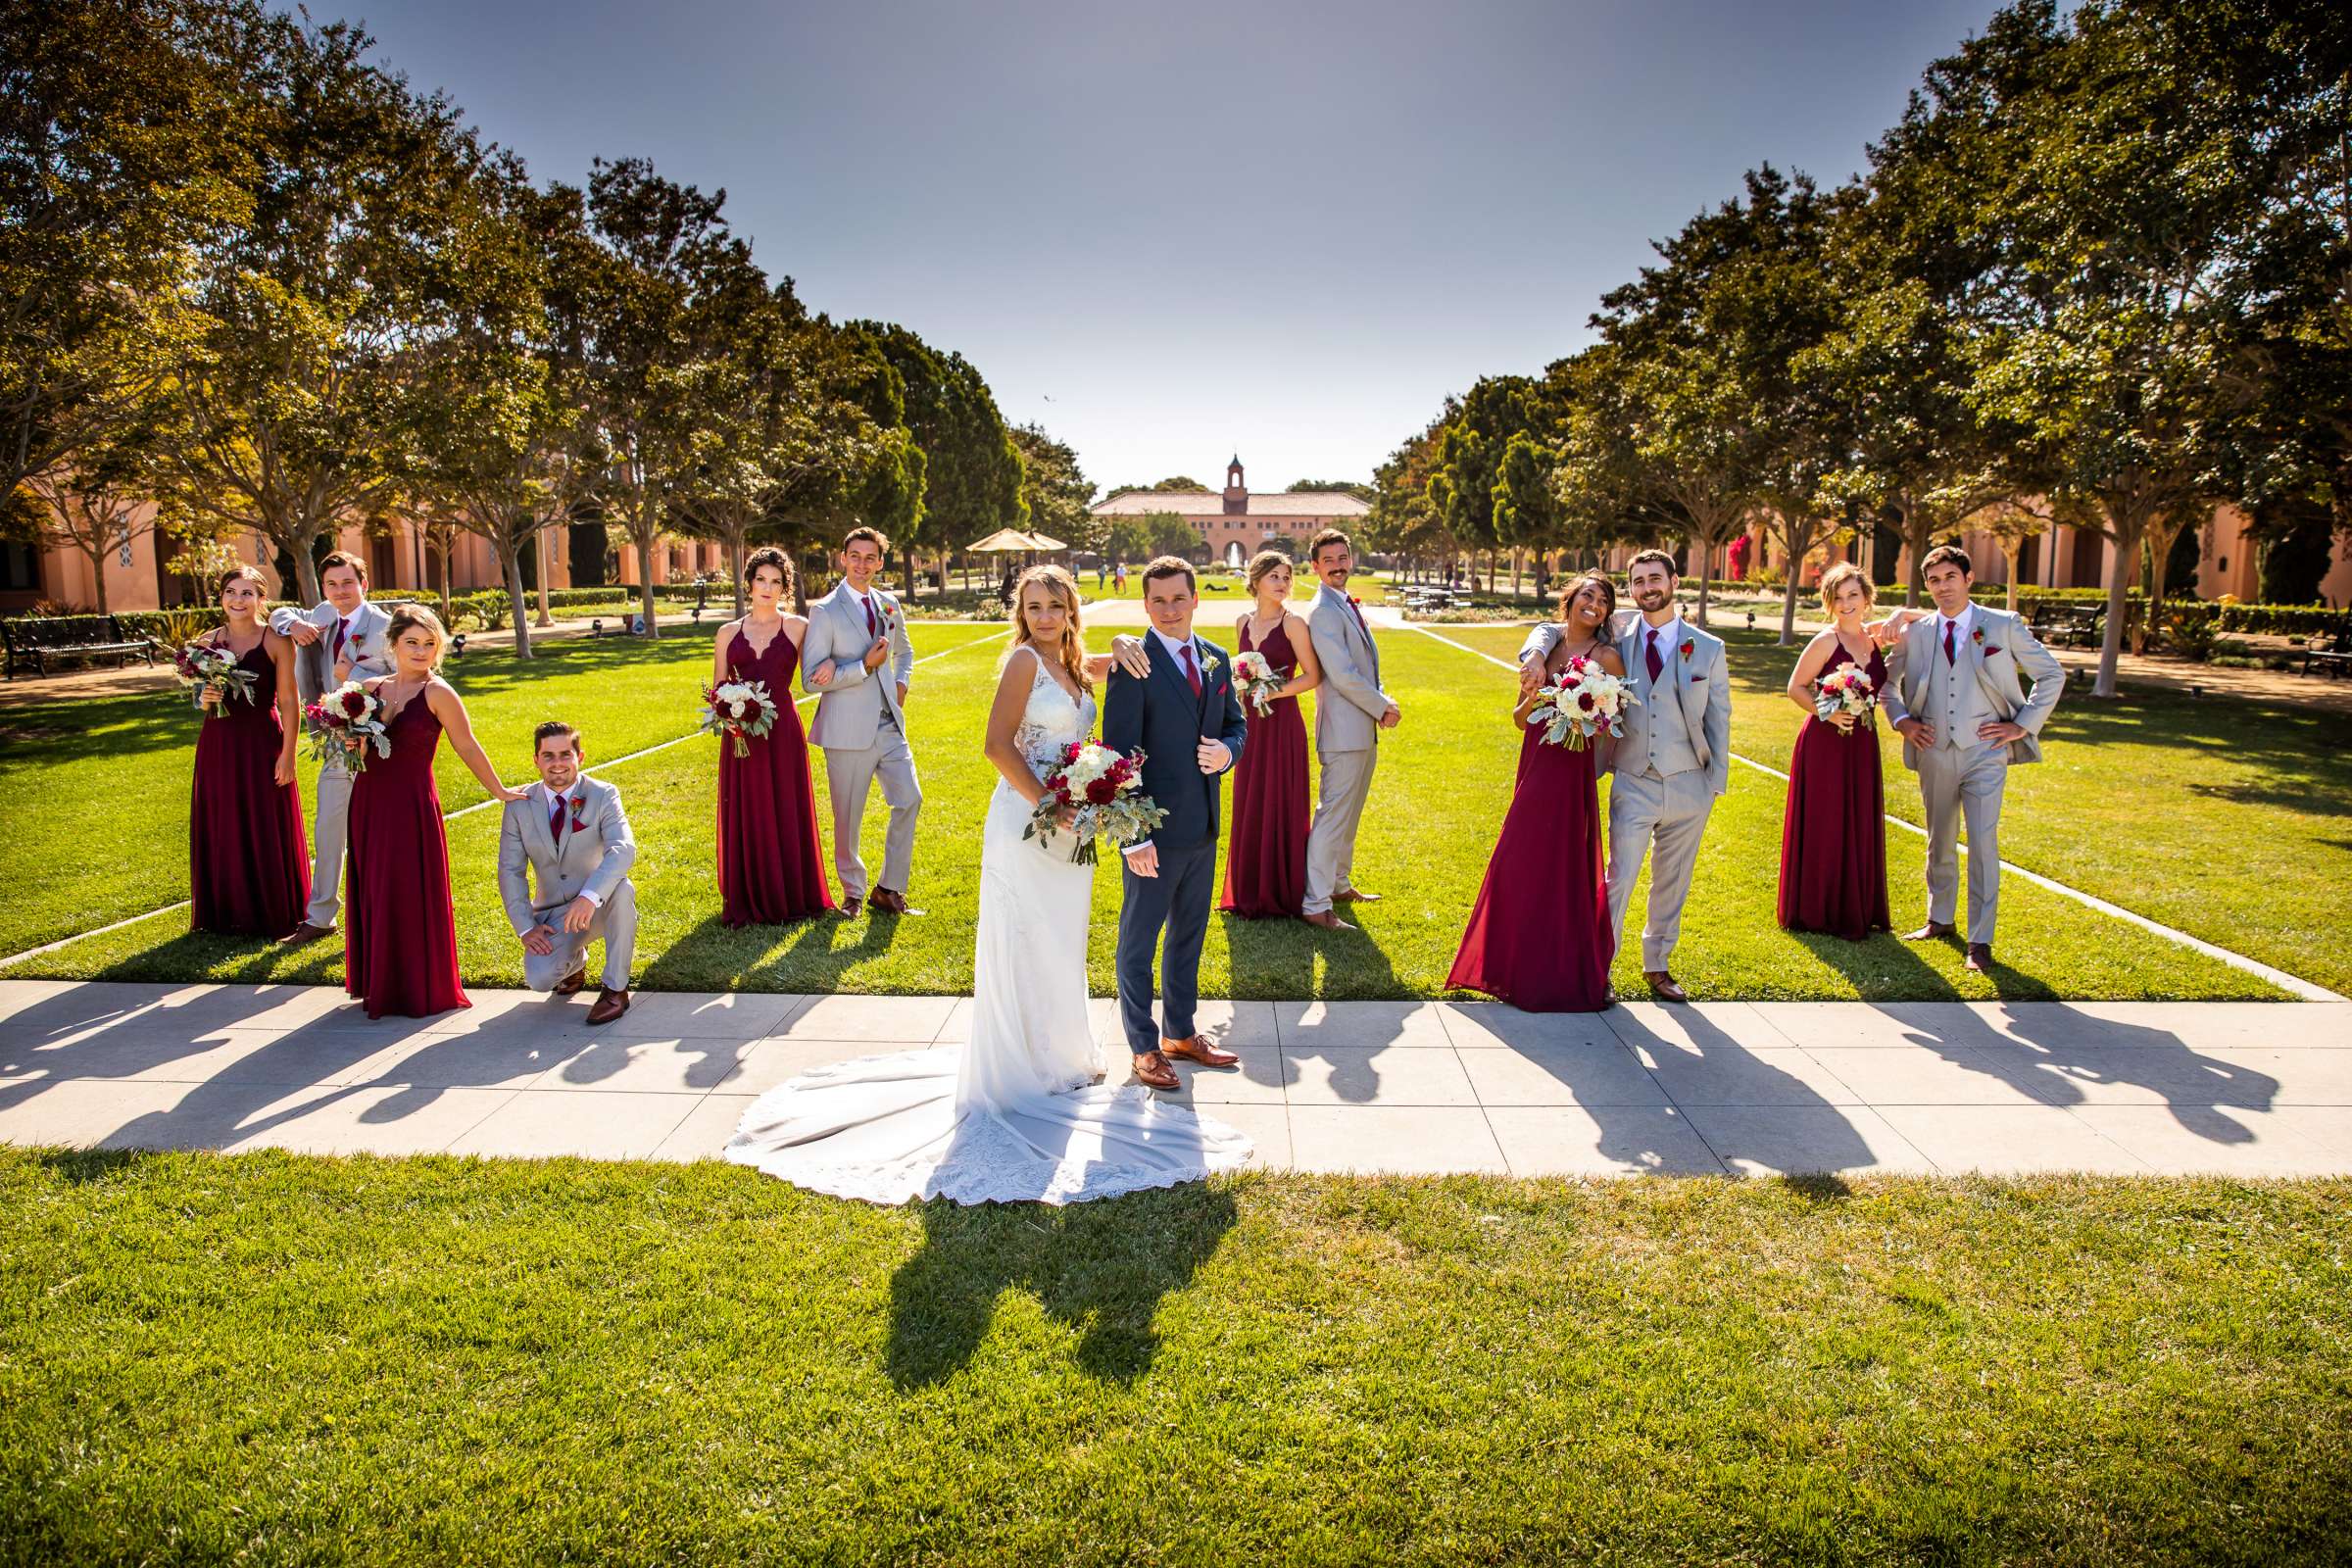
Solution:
(1169, 231)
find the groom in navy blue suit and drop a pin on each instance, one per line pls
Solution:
(1187, 719)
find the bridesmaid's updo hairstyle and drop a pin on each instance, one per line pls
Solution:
(1576, 585)
(768, 555)
(1071, 647)
(1266, 561)
(1838, 578)
(408, 615)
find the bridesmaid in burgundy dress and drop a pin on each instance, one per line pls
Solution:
(248, 863)
(1833, 833)
(400, 933)
(1539, 937)
(1266, 858)
(771, 869)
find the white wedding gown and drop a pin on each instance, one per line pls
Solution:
(1019, 1113)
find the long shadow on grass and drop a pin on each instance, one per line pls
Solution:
(1885, 967)
(814, 955)
(1101, 1267)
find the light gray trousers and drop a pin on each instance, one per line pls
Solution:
(1331, 840)
(1963, 784)
(1671, 814)
(849, 778)
(329, 829)
(615, 924)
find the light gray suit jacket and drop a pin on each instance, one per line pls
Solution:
(2001, 652)
(365, 646)
(1349, 704)
(592, 860)
(849, 712)
(1703, 690)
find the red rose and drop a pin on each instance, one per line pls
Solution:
(1101, 792)
(1583, 699)
(353, 702)
(1688, 645)
(1069, 753)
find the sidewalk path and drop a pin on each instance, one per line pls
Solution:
(2246, 1089)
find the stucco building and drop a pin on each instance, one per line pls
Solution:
(1237, 523)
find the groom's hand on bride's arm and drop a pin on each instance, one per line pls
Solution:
(1143, 858)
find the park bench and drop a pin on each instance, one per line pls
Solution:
(2332, 650)
(35, 642)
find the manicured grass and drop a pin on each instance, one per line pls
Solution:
(1216, 591)
(278, 1359)
(2223, 819)
(1438, 800)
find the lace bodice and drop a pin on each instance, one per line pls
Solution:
(1051, 721)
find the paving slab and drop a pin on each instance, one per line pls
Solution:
(1745, 1088)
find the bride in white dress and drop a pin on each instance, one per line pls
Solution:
(1022, 1113)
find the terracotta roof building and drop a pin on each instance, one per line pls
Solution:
(1234, 525)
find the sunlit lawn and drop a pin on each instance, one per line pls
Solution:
(1439, 797)
(271, 1360)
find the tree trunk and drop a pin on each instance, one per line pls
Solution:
(98, 574)
(645, 536)
(443, 550)
(547, 617)
(2126, 535)
(510, 555)
(2011, 552)
(1706, 561)
(1788, 611)
(297, 543)
(735, 555)
(2159, 547)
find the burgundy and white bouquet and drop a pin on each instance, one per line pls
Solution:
(203, 667)
(1259, 685)
(1845, 690)
(1105, 789)
(346, 724)
(740, 709)
(1584, 701)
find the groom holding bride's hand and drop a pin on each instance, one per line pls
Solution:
(1186, 717)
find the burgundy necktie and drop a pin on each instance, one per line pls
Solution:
(554, 820)
(870, 617)
(1359, 621)
(341, 626)
(1657, 665)
(1190, 673)
(1949, 627)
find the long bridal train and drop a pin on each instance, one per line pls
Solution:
(1019, 1114)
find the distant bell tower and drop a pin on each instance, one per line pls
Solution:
(1237, 494)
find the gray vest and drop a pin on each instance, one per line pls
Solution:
(1660, 742)
(1956, 699)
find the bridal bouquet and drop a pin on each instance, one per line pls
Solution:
(202, 668)
(1844, 690)
(1260, 684)
(346, 724)
(741, 710)
(1106, 788)
(1584, 702)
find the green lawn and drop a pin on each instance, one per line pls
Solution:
(1438, 798)
(1218, 591)
(2228, 819)
(275, 1360)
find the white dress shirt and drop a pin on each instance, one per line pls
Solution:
(545, 798)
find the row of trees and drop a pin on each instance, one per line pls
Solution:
(2100, 273)
(250, 274)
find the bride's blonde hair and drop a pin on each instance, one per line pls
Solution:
(1071, 647)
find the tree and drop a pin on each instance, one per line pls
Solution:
(971, 469)
(1362, 492)
(297, 387)
(125, 155)
(95, 505)
(1054, 490)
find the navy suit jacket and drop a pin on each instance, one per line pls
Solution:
(1160, 714)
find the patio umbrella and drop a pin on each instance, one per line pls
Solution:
(1004, 542)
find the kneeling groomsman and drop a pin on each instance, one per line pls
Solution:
(571, 833)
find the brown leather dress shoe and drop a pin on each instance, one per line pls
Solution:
(1354, 896)
(885, 902)
(1664, 986)
(571, 984)
(1152, 1070)
(609, 1004)
(847, 907)
(1980, 957)
(303, 934)
(1928, 932)
(1327, 921)
(1196, 1047)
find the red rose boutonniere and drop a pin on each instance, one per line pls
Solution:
(579, 810)
(1976, 635)
(1687, 646)
(1359, 602)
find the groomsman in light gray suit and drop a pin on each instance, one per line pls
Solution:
(1351, 711)
(857, 660)
(1955, 692)
(1673, 759)
(569, 833)
(339, 640)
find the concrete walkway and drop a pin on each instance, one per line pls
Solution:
(2245, 1089)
